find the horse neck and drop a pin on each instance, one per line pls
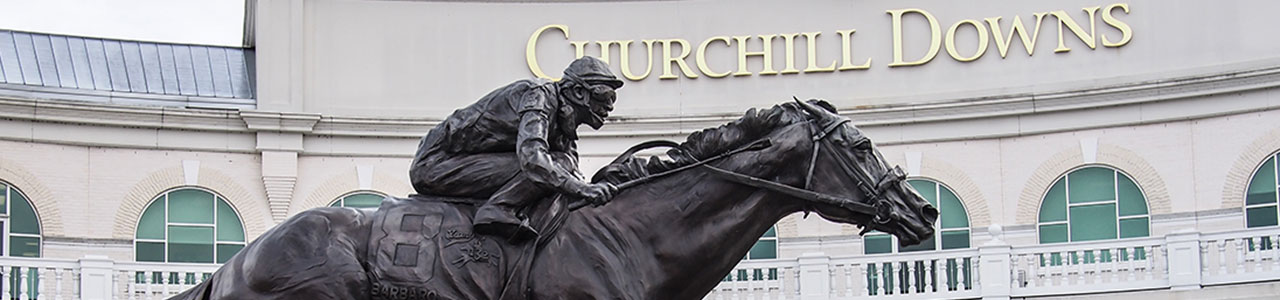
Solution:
(681, 234)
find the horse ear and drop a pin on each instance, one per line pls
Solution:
(814, 110)
(824, 105)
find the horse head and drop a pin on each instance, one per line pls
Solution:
(843, 162)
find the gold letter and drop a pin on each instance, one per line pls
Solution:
(767, 53)
(667, 60)
(790, 41)
(846, 63)
(982, 40)
(531, 49)
(1015, 29)
(1126, 33)
(604, 48)
(1064, 19)
(578, 48)
(935, 38)
(702, 57)
(812, 39)
(626, 60)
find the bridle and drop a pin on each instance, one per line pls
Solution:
(881, 211)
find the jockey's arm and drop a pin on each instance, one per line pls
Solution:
(532, 148)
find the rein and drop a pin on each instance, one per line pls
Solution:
(880, 211)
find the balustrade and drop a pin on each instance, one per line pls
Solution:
(1183, 260)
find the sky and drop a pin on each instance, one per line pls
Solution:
(206, 22)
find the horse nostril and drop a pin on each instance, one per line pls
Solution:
(929, 213)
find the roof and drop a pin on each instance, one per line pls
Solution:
(38, 65)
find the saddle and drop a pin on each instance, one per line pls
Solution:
(422, 247)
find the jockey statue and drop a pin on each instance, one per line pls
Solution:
(517, 145)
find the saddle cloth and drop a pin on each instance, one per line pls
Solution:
(422, 247)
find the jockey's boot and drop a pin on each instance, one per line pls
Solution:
(497, 217)
(499, 221)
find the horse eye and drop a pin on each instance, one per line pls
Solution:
(862, 145)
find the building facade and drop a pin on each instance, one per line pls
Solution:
(1061, 123)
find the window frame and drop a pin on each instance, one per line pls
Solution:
(167, 223)
(1115, 185)
(937, 225)
(1274, 158)
(341, 200)
(6, 237)
(774, 238)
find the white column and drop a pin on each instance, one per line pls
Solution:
(95, 277)
(1183, 259)
(815, 280)
(994, 266)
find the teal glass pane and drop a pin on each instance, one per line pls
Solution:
(4, 198)
(190, 244)
(876, 244)
(1056, 233)
(1054, 207)
(1091, 185)
(764, 249)
(191, 234)
(1136, 227)
(229, 228)
(1131, 201)
(953, 213)
(151, 225)
(22, 218)
(957, 239)
(191, 206)
(1262, 188)
(226, 251)
(336, 203)
(24, 246)
(149, 251)
(773, 232)
(363, 200)
(1260, 216)
(926, 188)
(925, 245)
(1093, 222)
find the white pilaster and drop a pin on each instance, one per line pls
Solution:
(994, 266)
(815, 277)
(1183, 259)
(95, 278)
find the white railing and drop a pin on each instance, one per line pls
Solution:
(1181, 260)
(995, 270)
(1099, 266)
(1240, 256)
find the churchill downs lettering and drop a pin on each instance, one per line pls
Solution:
(681, 58)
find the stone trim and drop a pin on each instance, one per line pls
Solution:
(975, 203)
(42, 199)
(345, 183)
(253, 211)
(1123, 160)
(1251, 158)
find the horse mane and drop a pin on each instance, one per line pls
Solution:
(753, 125)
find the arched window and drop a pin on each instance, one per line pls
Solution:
(1093, 203)
(20, 222)
(189, 225)
(765, 248)
(953, 228)
(1260, 199)
(952, 224)
(363, 199)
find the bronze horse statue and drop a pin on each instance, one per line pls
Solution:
(684, 223)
